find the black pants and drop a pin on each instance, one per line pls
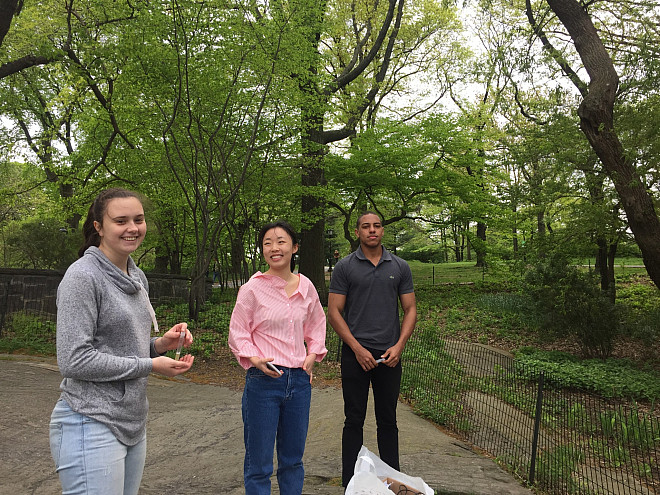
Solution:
(386, 383)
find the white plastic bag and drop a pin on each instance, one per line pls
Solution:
(364, 480)
(365, 483)
(370, 471)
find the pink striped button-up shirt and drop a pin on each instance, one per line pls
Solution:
(268, 323)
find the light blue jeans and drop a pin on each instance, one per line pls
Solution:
(88, 457)
(275, 410)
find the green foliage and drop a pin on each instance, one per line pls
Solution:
(465, 272)
(215, 318)
(609, 378)
(210, 331)
(433, 382)
(629, 426)
(433, 253)
(555, 468)
(480, 311)
(29, 334)
(204, 344)
(639, 303)
(43, 243)
(506, 302)
(571, 303)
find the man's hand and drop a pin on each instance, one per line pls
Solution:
(392, 355)
(364, 358)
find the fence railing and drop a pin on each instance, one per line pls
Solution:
(560, 440)
(557, 439)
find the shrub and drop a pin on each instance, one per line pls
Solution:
(571, 303)
(28, 333)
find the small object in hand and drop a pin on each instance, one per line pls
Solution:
(378, 361)
(273, 367)
(182, 336)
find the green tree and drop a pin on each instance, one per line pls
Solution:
(42, 243)
(597, 109)
(397, 169)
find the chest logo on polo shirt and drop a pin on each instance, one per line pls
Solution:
(392, 277)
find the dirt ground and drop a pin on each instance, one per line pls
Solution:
(195, 433)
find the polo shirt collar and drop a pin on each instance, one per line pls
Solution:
(386, 256)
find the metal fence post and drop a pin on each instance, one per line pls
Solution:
(537, 427)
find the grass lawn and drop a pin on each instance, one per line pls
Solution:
(467, 271)
(450, 273)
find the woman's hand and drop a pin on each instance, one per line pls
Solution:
(169, 367)
(308, 365)
(170, 339)
(260, 363)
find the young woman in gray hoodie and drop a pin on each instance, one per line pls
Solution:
(105, 353)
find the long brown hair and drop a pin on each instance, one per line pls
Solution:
(96, 213)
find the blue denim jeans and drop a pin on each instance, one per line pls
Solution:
(275, 410)
(88, 457)
(385, 383)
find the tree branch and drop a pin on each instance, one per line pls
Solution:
(23, 63)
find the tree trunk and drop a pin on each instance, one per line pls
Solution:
(601, 264)
(8, 9)
(597, 123)
(468, 248)
(312, 262)
(514, 232)
(315, 137)
(161, 260)
(481, 250)
(457, 247)
(540, 223)
(611, 254)
(197, 294)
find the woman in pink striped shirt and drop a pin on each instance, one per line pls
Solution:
(277, 333)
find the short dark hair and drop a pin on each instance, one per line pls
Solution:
(284, 225)
(95, 214)
(368, 212)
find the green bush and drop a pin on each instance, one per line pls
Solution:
(42, 243)
(28, 333)
(571, 303)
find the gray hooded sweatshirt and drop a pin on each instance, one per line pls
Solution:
(104, 347)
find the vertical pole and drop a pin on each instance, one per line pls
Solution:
(537, 427)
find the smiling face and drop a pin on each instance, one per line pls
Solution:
(278, 248)
(370, 231)
(123, 229)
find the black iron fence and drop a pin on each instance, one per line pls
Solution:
(558, 439)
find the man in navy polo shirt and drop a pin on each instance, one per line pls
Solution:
(363, 308)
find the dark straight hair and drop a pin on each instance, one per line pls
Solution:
(95, 214)
(287, 228)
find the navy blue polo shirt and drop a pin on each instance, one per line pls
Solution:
(372, 296)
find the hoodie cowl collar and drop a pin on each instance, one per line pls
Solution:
(130, 284)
